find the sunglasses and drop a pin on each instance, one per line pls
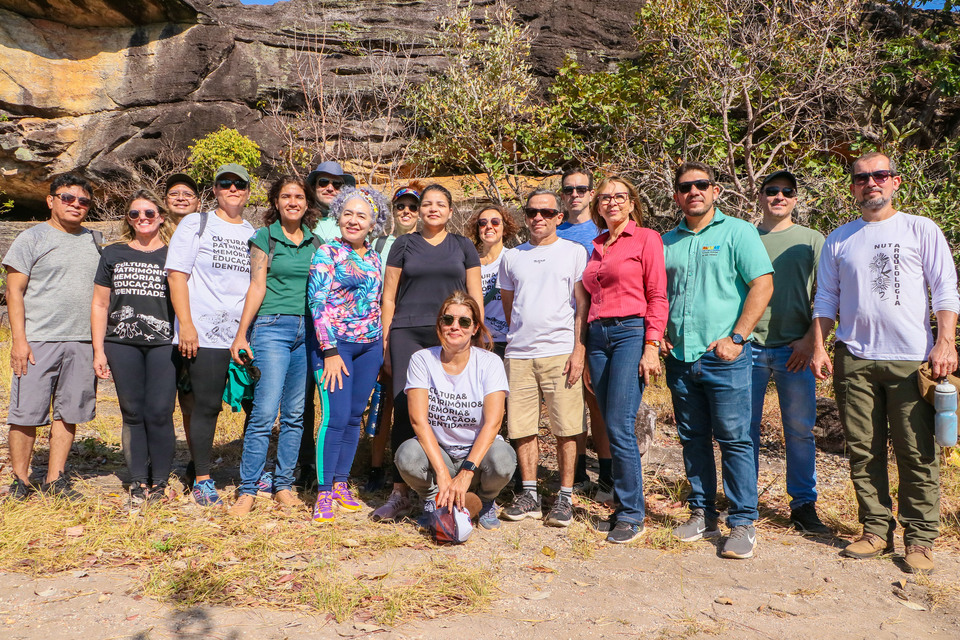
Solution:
(149, 214)
(400, 206)
(493, 222)
(581, 191)
(326, 182)
(465, 322)
(546, 213)
(788, 192)
(878, 176)
(701, 185)
(69, 198)
(226, 183)
(607, 198)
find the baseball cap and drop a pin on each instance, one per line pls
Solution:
(453, 527)
(181, 178)
(783, 173)
(406, 191)
(233, 168)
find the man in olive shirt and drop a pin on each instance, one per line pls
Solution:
(783, 344)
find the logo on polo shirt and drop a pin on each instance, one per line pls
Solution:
(709, 249)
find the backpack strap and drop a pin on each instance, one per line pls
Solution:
(97, 240)
(271, 249)
(379, 243)
(203, 222)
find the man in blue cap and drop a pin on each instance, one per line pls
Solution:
(326, 181)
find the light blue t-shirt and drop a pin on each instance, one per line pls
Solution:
(582, 233)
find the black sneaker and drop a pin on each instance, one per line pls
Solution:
(62, 487)
(19, 490)
(740, 544)
(157, 494)
(138, 496)
(524, 506)
(375, 480)
(805, 520)
(624, 532)
(696, 527)
(189, 477)
(561, 515)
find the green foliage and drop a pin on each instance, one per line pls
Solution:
(221, 147)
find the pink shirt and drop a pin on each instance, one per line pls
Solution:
(628, 278)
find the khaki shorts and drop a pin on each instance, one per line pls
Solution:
(62, 376)
(531, 379)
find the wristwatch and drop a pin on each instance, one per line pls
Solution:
(466, 465)
(737, 338)
(652, 343)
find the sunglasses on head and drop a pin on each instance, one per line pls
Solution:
(580, 190)
(226, 183)
(149, 214)
(326, 182)
(493, 222)
(788, 192)
(701, 185)
(532, 213)
(465, 322)
(69, 198)
(400, 206)
(878, 176)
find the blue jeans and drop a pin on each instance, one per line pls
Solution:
(798, 410)
(614, 348)
(710, 397)
(280, 353)
(339, 430)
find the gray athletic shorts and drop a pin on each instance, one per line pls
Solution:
(63, 377)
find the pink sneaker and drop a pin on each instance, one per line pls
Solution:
(397, 506)
(323, 509)
(345, 498)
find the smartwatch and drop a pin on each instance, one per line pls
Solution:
(466, 465)
(737, 338)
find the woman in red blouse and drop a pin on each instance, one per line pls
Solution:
(627, 284)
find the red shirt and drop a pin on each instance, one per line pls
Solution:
(628, 278)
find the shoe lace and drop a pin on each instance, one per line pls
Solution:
(325, 500)
(740, 531)
(344, 490)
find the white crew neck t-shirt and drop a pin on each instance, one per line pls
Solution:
(493, 315)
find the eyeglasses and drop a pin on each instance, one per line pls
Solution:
(400, 206)
(788, 192)
(581, 190)
(326, 182)
(606, 198)
(465, 322)
(701, 185)
(226, 183)
(493, 222)
(182, 195)
(69, 198)
(546, 213)
(149, 214)
(878, 176)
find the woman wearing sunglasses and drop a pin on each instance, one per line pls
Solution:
(488, 226)
(627, 285)
(275, 322)
(456, 393)
(343, 292)
(423, 269)
(208, 269)
(132, 322)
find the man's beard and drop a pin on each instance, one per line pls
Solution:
(878, 202)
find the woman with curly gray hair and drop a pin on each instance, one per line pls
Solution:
(343, 293)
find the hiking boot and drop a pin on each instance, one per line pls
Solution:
(265, 484)
(869, 545)
(62, 487)
(243, 505)
(487, 518)
(19, 490)
(524, 505)
(345, 498)
(696, 527)
(740, 543)
(323, 508)
(375, 480)
(205, 493)
(287, 498)
(805, 520)
(624, 532)
(397, 506)
(919, 559)
(429, 506)
(561, 515)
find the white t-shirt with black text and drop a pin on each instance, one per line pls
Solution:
(493, 314)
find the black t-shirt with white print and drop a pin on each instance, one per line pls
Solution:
(140, 311)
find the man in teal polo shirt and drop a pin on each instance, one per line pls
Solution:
(719, 281)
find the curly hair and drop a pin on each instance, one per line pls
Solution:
(510, 225)
(636, 215)
(126, 233)
(378, 204)
(272, 214)
(482, 337)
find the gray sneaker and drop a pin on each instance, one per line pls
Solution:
(740, 544)
(696, 527)
(488, 516)
(561, 515)
(524, 506)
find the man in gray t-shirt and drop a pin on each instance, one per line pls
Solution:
(50, 270)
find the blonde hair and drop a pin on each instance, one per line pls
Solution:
(126, 232)
(482, 337)
(636, 215)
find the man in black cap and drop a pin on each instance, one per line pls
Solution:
(783, 344)
(181, 196)
(326, 181)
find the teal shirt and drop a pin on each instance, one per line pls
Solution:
(707, 276)
(287, 278)
(327, 229)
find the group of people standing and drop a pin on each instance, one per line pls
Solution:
(456, 329)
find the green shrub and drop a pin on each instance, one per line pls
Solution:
(221, 147)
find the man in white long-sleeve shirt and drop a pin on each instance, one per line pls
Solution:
(874, 274)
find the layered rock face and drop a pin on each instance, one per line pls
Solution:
(101, 84)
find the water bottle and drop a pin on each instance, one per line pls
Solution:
(374, 414)
(945, 404)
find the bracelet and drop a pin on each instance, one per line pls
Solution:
(655, 343)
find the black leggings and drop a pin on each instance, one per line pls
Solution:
(208, 377)
(146, 382)
(404, 342)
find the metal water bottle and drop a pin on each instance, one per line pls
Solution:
(374, 416)
(945, 404)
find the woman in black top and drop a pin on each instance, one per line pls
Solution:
(423, 268)
(132, 321)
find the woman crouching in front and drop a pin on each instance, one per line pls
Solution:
(456, 393)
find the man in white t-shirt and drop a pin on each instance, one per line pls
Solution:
(545, 351)
(874, 275)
